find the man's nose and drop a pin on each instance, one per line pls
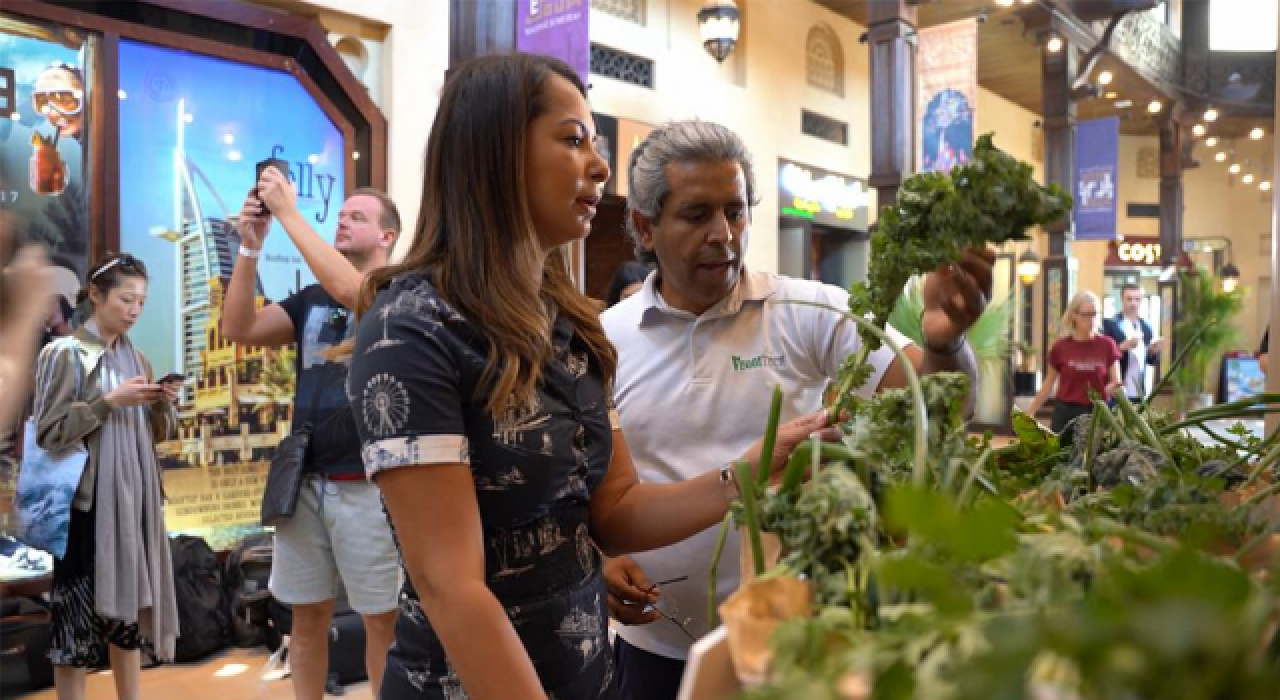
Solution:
(719, 229)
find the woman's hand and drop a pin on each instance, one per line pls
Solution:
(134, 391)
(791, 434)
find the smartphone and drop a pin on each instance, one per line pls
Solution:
(280, 164)
(172, 377)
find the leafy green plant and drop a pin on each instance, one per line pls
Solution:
(944, 569)
(1206, 312)
(992, 199)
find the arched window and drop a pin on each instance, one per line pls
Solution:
(824, 60)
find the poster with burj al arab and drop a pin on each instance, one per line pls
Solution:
(192, 128)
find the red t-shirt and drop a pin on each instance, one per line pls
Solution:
(1083, 366)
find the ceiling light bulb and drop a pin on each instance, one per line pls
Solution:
(1105, 77)
(1211, 141)
(1198, 130)
(1235, 168)
(1221, 157)
(1111, 94)
(1265, 185)
(1247, 179)
(1004, 3)
(1054, 45)
(1154, 107)
(1210, 114)
(1257, 133)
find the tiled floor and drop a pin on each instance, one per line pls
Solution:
(234, 674)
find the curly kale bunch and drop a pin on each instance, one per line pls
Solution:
(992, 199)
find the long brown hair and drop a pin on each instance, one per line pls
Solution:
(475, 237)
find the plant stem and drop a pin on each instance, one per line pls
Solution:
(1260, 496)
(1091, 447)
(1102, 410)
(1144, 430)
(770, 438)
(1177, 362)
(747, 483)
(1108, 527)
(712, 592)
(846, 384)
(974, 470)
(921, 453)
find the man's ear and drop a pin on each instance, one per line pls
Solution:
(644, 226)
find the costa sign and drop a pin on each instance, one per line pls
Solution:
(1135, 252)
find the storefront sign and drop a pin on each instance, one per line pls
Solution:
(946, 95)
(826, 198)
(1134, 252)
(556, 28)
(1097, 165)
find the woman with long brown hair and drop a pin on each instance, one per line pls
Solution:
(480, 382)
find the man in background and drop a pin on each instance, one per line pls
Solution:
(338, 540)
(1133, 335)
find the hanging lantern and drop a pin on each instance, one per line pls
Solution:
(718, 23)
(1230, 276)
(1028, 268)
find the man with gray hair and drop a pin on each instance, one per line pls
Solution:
(700, 335)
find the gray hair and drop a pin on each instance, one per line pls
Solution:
(690, 141)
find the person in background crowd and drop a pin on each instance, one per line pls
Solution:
(114, 587)
(701, 347)
(1080, 361)
(58, 324)
(338, 539)
(24, 289)
(627, 281)
(480, 377)
(1134, 337)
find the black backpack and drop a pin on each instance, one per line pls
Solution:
(203, 612)
(248, 574)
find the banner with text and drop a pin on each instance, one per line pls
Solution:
(556, 28)
(1097, 163)
(946, 94)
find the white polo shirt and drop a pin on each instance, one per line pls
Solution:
(693, 394)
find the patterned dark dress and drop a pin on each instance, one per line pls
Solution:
(413, 386)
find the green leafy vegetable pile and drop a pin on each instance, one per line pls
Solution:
(1113, 567)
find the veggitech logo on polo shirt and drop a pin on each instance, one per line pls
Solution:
(771, 361)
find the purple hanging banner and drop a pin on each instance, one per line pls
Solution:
(556, 28)
(1097, 168)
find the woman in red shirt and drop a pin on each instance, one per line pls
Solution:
(1081, 360)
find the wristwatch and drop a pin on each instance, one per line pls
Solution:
(249, 252)
(729, 483)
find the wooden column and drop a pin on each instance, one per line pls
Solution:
(480, 28)
(1171, 143)
(1057, 70)
(891, 34)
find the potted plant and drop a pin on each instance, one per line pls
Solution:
(1026, 373)
(1204, 331)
